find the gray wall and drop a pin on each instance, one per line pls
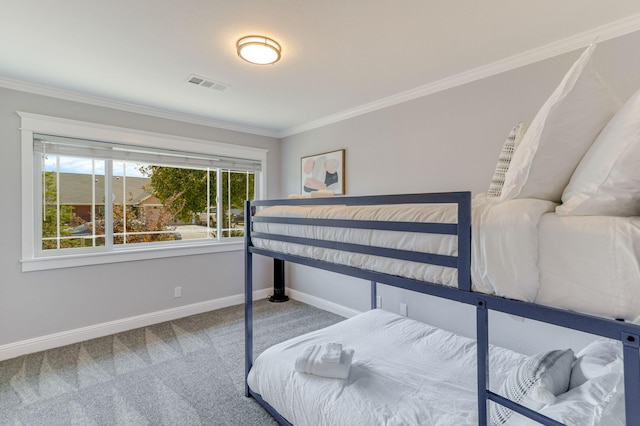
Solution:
(35, 304)
(446, 141)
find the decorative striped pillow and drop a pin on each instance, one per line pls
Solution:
(509, 147)
(534, 383)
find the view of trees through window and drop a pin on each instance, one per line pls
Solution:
(148, 203)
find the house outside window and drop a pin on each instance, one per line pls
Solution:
(98, 198)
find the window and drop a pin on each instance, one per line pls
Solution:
(98, 197)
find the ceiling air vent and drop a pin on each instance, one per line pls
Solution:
(207, 83)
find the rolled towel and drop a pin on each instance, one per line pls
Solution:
(322, 193)
(332, 352)
(309, 361)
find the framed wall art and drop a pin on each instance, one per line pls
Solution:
(323, 171)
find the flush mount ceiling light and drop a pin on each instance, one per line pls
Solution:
(259, 50)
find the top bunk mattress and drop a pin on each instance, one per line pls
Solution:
(520, 250)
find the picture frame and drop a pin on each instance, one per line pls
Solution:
(325, 171)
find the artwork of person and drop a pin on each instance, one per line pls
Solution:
(323, 174)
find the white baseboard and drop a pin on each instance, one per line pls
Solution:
(322, 303)
(55, 340)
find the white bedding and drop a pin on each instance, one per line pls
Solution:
(426, 243)
(591, 264)
(403, 373)
(504, 252)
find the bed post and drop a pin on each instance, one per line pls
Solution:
(374, 295)
(631, 357)
(482, 339)
(248, 297)
(278, 282)
(464, 243)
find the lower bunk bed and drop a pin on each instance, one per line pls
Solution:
(400, 371)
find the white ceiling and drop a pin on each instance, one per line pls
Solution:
(339, 57)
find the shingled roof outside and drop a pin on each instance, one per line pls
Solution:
(76, 189)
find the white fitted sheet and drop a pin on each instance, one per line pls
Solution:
(403, 372)
(590, 264)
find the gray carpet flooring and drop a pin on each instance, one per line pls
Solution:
(184, 372)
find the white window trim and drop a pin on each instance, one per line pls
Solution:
(35, 123)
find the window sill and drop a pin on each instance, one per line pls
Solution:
(129, 255)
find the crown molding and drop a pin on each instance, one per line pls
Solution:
(130, 107)
(599, 34)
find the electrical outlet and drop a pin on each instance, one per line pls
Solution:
(403, 309)
(378, 302)
(177, 292)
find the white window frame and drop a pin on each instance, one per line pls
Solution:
(35, 123)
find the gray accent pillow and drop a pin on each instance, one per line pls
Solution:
(509, 147)
(534, 383)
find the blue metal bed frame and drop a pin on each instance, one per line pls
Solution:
(628, 334)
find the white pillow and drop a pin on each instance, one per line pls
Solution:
(534, 383)
(599, 401)
(607, 180)
(561, 132)
(594, 360)
(613, 410)
(509, 147)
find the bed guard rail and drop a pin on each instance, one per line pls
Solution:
(461, 229)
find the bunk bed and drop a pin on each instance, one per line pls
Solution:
(257, 242)
(574, 264)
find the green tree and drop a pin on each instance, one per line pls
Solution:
(50, 218)
(183, 191)
(236, 188)
(235, 184)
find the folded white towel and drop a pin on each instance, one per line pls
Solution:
(296, 196)
(332, 352)
(309, 361)
(322, 193)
